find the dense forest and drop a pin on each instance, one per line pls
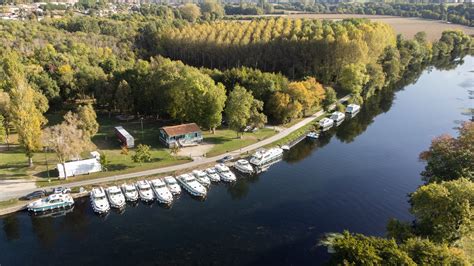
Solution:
(281, 69)
(459, 14)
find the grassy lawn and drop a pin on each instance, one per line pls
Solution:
(226, 140)
(14, 162)
(8, 203)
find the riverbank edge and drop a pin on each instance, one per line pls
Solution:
(236, 153)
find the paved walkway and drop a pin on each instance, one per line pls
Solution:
(5, 195)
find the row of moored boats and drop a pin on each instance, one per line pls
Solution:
(161, 190)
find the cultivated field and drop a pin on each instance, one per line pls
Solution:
(406, 26)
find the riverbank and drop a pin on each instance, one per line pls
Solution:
(175, 168)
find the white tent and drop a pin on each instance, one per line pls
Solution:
(80, 167)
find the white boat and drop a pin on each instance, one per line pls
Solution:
(202, 177)
(225, 173)
(326, 123)
(99, 201)
(144, 191)
(52, 202)
(130, 192)
(312, 135)
(263, 156)
(352, 108)
(115, 196)
(163, 194)
(190, 184)
(337, 117)
(173, 185)
(213, 175)
(243, 166)
(285, 147)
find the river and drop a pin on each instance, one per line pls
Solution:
(355, 177)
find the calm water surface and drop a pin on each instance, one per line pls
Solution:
(356, 178)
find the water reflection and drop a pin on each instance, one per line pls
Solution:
(272, 218)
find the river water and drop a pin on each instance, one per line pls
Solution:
(355, 177)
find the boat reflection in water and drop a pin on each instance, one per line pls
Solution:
(52, 213)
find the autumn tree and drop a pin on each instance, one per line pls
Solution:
(87, 120)
(67, 140)
(190, 12)
(353, 78)
(142, 154)
(450, 158)
(26, 110)
(5, 114)
(444, 212)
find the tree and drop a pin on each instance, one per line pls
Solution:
(5, 114)
(142, 154)
(212, 10)
(87, 120)
(238, 107)
(450, 158)
(425, 252)
(331, 98)
(3, 131)
(174, 150)
(123, 97)
(190, 12)
(353, 78)
(444, 212)
(257, 118)
(67, 140)
(104, 161)
(26, 108)
(357, 249)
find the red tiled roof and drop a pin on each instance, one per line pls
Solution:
(181, 129)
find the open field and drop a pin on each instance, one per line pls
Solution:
(405, 26)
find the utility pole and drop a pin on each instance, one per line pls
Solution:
(45, 149)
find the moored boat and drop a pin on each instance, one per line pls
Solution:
(326, 123)
(173, 185)
(225, 173)
(52, 202)
(337, 117)
(144, 191)
(263, 156)
(99, 201)
(115, 196)
(163, 194)
(202, 177)
(312, 135)
(212, 174)
(190, 184)
(243, 166)
(130, 192)
(352, 108)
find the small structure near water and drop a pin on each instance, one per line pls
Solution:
(181, 135)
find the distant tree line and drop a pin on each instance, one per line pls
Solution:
(459, 14)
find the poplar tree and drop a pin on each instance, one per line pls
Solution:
(26, 108)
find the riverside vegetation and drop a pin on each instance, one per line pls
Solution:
(443, 211)
(282, 69)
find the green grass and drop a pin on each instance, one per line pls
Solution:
(226, 140)
(14, 162)
(8, 203)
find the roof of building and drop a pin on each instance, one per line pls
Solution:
(181, 129)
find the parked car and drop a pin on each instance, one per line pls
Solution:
(35, 195)
(61, 190)
(226, 158)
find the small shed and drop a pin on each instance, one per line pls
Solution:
(181, 135)
(124, 137)
(80, 167)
